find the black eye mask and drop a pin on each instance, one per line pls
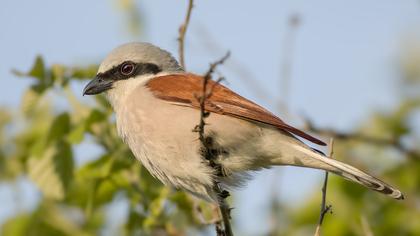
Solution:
(128, 69)
(115, 73)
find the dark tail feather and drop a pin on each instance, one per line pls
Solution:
(315, 159)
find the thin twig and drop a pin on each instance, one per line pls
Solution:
(324, 208)
(225, 212)
(182, 31)
(383, 142)
(206, 93)
(215, 64)
(286, 66)
(366, 227)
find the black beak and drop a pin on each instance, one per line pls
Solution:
(97, 85)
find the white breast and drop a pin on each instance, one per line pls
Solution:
(160, 136)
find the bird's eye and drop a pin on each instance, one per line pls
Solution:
(127, 68)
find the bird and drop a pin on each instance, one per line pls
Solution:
(156, 109)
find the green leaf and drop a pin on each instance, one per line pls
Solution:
(38, 69)
(87, 72)
(97, 169)
(76, 135)
(29, 101)
(134, 222)
(96, 116)
(58, 74)
(53, 171)
(16, 226)
(105, 191)
(59, 128)
(156, 208)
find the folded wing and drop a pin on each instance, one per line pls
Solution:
(183, 89)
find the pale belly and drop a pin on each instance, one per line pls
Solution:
(165, 142)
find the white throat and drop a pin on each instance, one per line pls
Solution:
(123, 88)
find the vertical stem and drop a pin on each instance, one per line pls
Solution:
(324, 207)
(286, 66)
(182, 31)
(206, 93)
(224, 211)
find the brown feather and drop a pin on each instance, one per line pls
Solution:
(184, 88)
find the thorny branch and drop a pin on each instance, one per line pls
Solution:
(226, 230)
(206, 93)
(325, 208)
(383, 142)
(182, 31)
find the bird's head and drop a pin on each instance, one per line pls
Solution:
(128, 62)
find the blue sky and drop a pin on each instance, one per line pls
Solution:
(344, 60)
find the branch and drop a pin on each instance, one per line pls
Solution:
(395, 143)
(324, 208)
(225, 229)
(182, 31)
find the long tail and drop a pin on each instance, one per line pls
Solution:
(313, 159)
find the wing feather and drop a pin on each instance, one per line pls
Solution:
(182, 89)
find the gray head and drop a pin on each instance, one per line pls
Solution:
(129, 61)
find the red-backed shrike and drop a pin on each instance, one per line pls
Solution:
(156, 110)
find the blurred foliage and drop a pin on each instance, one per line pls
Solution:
(132, 15)
(52, 122)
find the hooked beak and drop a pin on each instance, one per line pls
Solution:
(97, 85)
